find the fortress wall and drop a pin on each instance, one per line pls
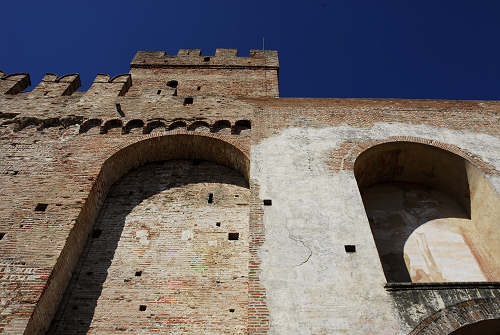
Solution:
(207, 82)
(300, 277)
(304, 164)
(160, 243)
(56, 166)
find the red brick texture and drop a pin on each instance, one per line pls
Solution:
(80, 152)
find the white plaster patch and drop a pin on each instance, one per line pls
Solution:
(311, 283)
(187, 235)
(143, 236)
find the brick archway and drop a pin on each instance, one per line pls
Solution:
(128, 155)
(344, 157)
(451, 318)
(412, 192)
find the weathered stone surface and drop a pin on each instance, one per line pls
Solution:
(216, 125)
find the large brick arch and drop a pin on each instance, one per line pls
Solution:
(344, 157)
(451, 318)
(433, 189)
(125, 157)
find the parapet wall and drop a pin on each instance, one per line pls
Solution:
(13, 83)
(53, 85)
(192, 57)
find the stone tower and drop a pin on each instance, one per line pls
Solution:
(186, 197)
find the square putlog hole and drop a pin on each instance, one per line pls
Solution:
(2, 235)
(268, 202)
(188, 101)
(96, 233)
(138, 273)
(41, 207)
(233, 236)
(142, 308)
(350, 248)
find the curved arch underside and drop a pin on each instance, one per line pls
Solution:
(432, 214)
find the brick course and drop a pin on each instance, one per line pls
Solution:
(66, 148)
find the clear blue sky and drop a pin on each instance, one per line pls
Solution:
(401, 49)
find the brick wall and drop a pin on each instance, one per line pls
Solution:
(160, 243)
(65, 148)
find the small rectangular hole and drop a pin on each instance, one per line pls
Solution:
(206, 59)
(210, 198)
(2, 235)
(198, 88)
(142, 308)
(350, 248)
(188, 101)
(41, 207)
(231, 310)
(138, 273)
(268, 202)
(96, 233)
(158, 92)
(218, 224)
(233, 236)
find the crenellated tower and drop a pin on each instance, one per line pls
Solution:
(225, 74)
(186, 197)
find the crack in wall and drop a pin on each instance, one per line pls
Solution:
(299, 241)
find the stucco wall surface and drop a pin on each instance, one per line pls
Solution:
(313, 286)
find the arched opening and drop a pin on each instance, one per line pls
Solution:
(220, 126)
(111, 124)
(89, 124)
(200, 126)
(157, 242)
(241, 126)
(177, 125)
(150, 126)
(133, 124)
(432, 213)
(485, 327)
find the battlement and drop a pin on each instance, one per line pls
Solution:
(52, 85)
(224, 58)
(116, 86)
(13, 83)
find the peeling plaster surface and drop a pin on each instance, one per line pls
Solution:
(313, 286)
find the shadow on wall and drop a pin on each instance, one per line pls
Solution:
(432, 213)
(157, 148)
(109, 291)
(486, 327)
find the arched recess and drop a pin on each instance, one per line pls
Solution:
(197, 149)
(433, 214)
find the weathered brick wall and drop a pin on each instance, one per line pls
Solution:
(303, 153)
(160, 243)
(65, 148)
